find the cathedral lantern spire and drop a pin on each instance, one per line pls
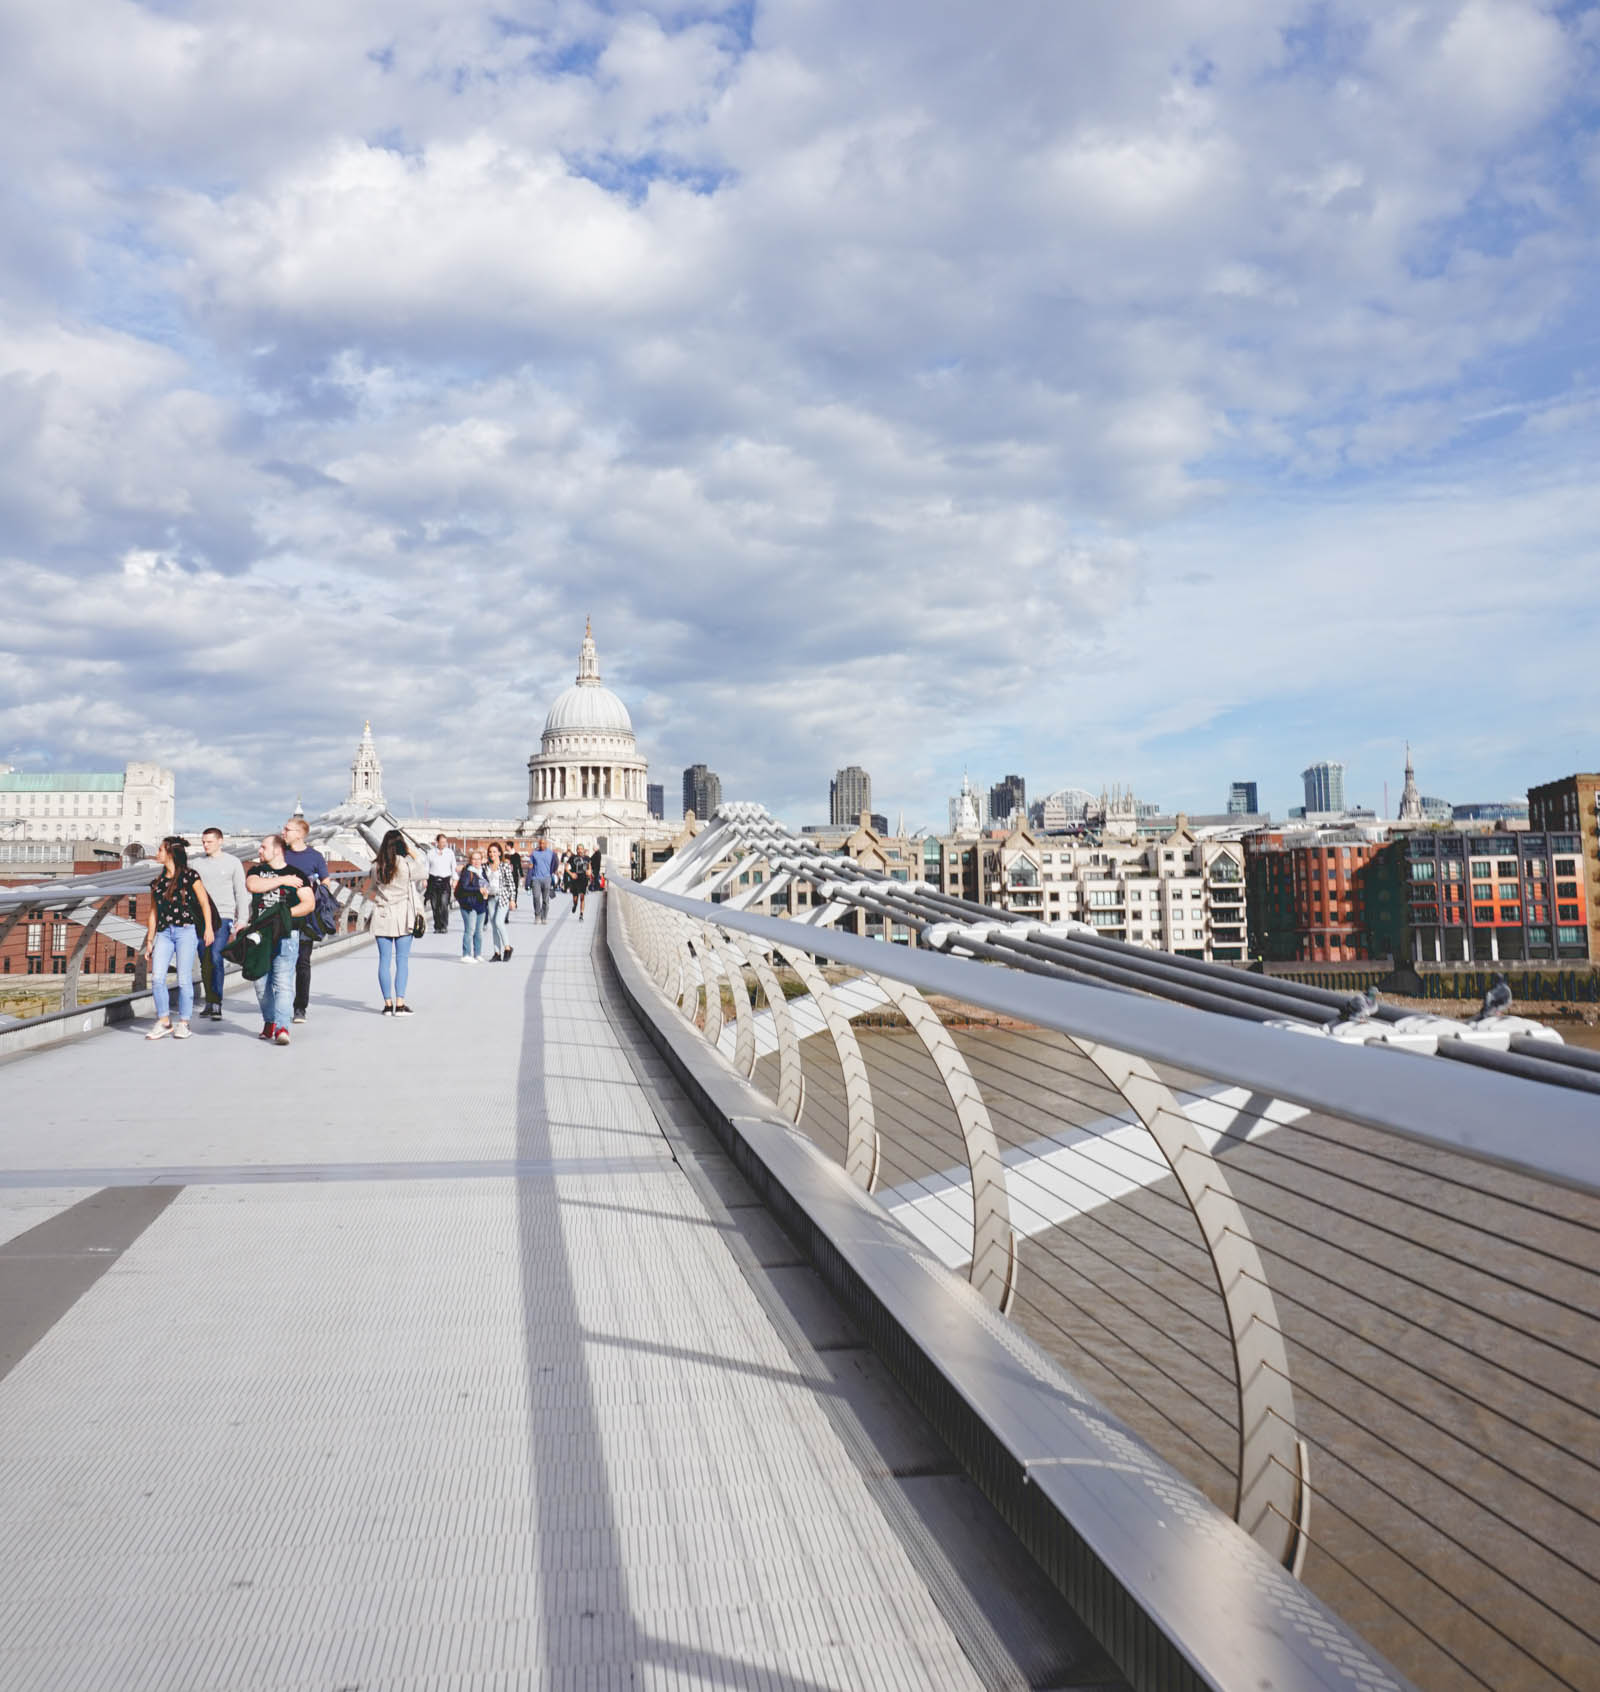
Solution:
(588, 658)
(1410, 798)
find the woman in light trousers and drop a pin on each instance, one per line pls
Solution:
(397, 880)
(502, 890)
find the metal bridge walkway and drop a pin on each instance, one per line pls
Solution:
(445, 1353)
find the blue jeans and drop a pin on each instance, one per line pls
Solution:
(539, 887)
(275, 989)
(497, 916)
(471, 933)
(212, 966)
(394, 957)
(180, 943)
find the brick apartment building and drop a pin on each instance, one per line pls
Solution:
(1323, 896)
(1569, 810)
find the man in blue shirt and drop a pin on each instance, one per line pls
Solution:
(541, 878)
(301, 855)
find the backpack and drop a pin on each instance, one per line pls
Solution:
(322, 921)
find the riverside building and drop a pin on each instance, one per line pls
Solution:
(135, 806)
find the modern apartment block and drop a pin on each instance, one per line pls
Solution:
(1570, 809)
(702, 791)
(1328, 895)
(1008, 801)
(1510, 896)
(1243, 800)
(849, 794)
(1324, 785)
(136, 805)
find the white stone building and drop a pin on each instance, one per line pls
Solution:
(136, 806)
(1175, 894)
(587, 781)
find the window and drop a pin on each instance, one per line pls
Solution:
(1569, 936)
(1511, 913)
(1425, 871)
(1566, 866)
(1563, 843)
(35, 936)
(1567, 913)
(1483, 913)
(1136, 896)
(133, 906)
(1452, 869)
(1177, 934)
(58, 937)
(1538, 936)
(1482, 890)
(1566, 890)
(1536, 868)
(1508, 867)
(1481, 867)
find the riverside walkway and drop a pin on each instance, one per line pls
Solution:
(449, 1352)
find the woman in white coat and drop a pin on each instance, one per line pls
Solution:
(397, 880)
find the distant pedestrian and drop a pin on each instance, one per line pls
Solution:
(578, 878)
(273, 881)
(596, 859)
(179, 913)
(472, 895)
(441, 880)
(303, 856)
(500, 883)
(398, 877)
(542, 868)
(223, 876)
(514, 858)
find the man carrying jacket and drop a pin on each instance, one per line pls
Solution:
(301, 855)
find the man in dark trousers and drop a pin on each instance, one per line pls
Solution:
(300, 854)
(441, 881)
(514, 858)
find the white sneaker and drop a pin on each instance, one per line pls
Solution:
(180, 1031)
(160, 1031)
(465, 958)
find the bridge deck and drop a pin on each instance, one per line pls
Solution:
(411, 1357)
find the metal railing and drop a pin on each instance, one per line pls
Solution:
(1347, 1289)
(91, 903)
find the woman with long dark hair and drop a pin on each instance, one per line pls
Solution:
(396, 907)
(179, 910)
(501, 882)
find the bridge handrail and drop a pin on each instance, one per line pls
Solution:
(1546, 1132)
(1176, 1593)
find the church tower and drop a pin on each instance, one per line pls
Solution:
(1410, 798)
(366, 774)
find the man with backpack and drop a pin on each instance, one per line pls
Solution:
(301, 855)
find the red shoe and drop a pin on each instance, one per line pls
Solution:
(280, 1036)
(266, 1031)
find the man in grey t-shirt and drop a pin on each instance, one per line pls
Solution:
(223, 877)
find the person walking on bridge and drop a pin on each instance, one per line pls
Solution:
(223, 876)
(272, 880)
(542, 867)
(179, 909)
(397, 880)
(300, 854)
(441, 879)
(500, 883)
(514, 858)
(578, 877)
(472, 895)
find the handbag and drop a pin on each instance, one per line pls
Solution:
(418, 926)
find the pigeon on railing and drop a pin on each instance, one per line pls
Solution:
(1497, 1001)
(1361, 1007)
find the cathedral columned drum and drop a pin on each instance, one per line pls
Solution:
(587, 781)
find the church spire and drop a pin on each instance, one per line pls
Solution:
(1410, 798)
(366, 774)
(588, 658)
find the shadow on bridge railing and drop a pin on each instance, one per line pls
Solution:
(1369, 1333)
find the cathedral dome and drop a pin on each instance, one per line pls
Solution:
(587, 707)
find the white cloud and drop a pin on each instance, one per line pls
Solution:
(875, 378)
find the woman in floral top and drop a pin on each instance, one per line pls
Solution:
(179, 909)
(502, 889)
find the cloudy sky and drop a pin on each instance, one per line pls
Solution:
(1163, 394)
